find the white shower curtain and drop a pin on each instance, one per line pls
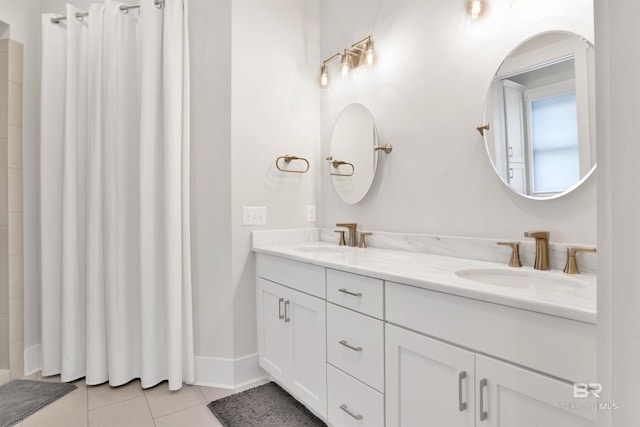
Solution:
(115, 251)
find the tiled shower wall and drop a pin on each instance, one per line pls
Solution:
(11, 212)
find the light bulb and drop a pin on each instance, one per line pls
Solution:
(369, 53)
(344, 64)
(324, 76)
(476, 9)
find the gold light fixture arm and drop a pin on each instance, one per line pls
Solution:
(357, 44)
(287, 159)
(331, 58)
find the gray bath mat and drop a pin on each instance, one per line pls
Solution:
(266, 405)
(21, 398)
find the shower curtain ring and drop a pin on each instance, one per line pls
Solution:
(159, 3)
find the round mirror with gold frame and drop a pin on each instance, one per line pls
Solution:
(539, 116)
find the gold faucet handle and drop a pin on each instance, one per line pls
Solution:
(571, 267)
(515, 253)
(342, 241)
(363, 235)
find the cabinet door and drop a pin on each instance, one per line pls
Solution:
(305, 317)
(273, 346)
(428, 382)
(517, 177)
(511, 396)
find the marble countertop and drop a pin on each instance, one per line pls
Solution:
(438, 273)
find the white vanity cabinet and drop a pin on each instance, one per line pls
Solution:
(433, 383)
(360, 351)
(292, 331)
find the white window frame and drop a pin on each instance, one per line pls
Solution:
(530, 96)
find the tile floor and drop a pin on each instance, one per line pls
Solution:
(128, 406)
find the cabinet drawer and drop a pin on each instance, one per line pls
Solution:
(361, 353)
(352, 403)
(360, 293)
(303, 277)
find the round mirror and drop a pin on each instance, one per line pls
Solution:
(539, 116)
(353, 158)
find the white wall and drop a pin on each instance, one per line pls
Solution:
(253, 99)
(427, 96)
(275, 111)
(210, 35)
(618, 86)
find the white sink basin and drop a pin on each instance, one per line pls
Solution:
(519, 278)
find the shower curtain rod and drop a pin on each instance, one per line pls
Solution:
(123, 8)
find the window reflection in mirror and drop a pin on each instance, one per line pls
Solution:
(541, 116)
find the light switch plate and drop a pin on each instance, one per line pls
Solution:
(254, 215)
(311, 213)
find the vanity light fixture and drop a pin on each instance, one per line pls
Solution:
(360, 53)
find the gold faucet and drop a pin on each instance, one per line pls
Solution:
(572, 266)
(352, 232)
(542, 248)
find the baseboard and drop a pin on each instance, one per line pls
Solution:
(32, 359)
(233, 374)
(5, 376)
